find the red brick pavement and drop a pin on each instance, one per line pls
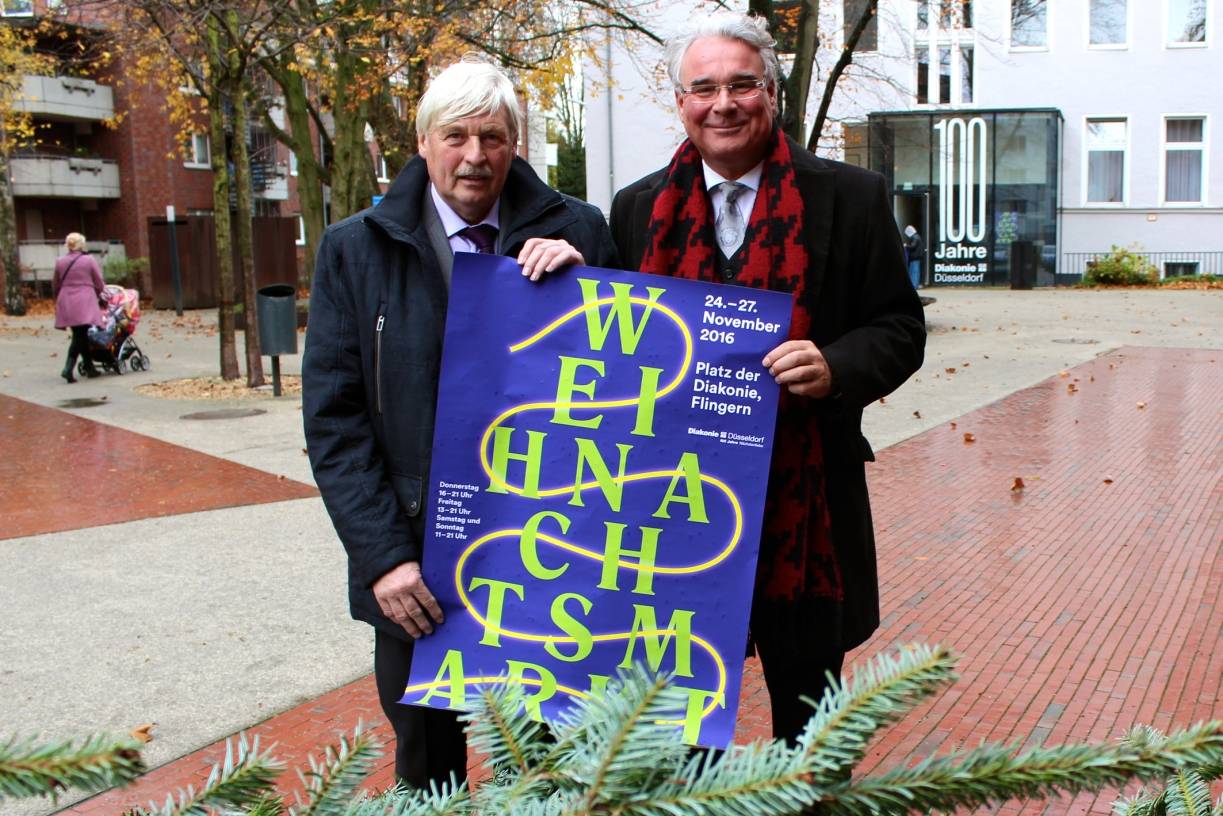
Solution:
(1081, 605)
(65, 472)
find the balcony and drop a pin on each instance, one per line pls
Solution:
(65, 98)
(47, 176)
(37, 258)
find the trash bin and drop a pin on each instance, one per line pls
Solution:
(276, 306)
(1024, 260)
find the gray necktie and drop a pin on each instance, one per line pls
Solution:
(729, 224)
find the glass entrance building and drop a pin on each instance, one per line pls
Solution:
(981, 187)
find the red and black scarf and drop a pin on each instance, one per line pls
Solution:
(797, 561)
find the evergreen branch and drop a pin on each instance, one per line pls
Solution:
(1188, 795)
(762, 779)
(850, 714)
(498, 729)
(331, 785)
(243, 779)
(28, 770)
(992, 774)
(621, 747)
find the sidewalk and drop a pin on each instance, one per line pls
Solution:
(1080, 606)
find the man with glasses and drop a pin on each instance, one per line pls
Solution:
(741, 203)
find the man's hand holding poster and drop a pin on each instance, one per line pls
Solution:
(600, 463)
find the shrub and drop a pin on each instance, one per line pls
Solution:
(124, 272)
(616, 754)
(1121, 267)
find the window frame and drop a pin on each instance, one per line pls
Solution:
(1163, 163)
(300, 240)
(1010, 30)
(1125, 161)
(1168, 44)
(1129, 29)
(193, 162)
(5, 13)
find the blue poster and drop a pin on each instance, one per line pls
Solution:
(599, 469)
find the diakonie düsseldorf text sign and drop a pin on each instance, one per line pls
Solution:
(598, 480)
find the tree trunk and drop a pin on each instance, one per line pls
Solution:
(352, 168)
(242, 180)
(797, 85)
(220, 216)
(14, 301)
(847, 56)
(309, 183)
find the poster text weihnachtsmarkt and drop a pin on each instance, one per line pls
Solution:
(600, 463)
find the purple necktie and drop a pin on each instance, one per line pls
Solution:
(484, 236)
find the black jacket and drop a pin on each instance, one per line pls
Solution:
(868, 322)
(373, 350)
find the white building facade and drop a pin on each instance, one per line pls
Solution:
(1021, 137)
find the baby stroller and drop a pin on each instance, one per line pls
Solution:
(112, 345)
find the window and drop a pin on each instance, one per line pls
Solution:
(923, 76)
(965, 75)
(1107, 25)
(1184, 145)
(18, 8)
(1106, 146)
(380, 167)
(955, 14)
(292, 163)
(923, 15)
(301, 231)
(854, 9)
(199, 153)
(1186, 22)
(1029, 24)
(944, 75)
(1180, 269)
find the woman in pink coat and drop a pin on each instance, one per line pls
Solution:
(77, 286)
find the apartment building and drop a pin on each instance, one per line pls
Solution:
(1023, 138)
(114, 182)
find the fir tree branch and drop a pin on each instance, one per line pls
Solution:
(243, 779)
(331, 785)
(28, 770)
(498, 729)
(850, 714)
(616, 743)
(992, 774)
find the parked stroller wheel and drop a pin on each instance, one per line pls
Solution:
(80, 368)
(138, 362)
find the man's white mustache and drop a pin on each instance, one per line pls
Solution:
(474, 173)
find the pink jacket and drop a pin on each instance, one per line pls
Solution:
(77, 290)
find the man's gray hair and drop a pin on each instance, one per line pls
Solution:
(750, 29)
(470, 87)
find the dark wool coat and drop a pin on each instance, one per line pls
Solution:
(373, 350)
(77, 285)
(867, 320)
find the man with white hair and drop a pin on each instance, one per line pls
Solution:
(373, 349)
(741, 203)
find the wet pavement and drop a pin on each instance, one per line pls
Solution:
(66, 472)
(1066, 541)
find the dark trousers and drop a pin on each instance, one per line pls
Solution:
(791, 673)
(79, 346)
(429, 742)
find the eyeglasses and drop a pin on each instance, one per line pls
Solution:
(739, 89)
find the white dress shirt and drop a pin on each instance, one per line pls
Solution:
(746, 199)
(453, 223)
